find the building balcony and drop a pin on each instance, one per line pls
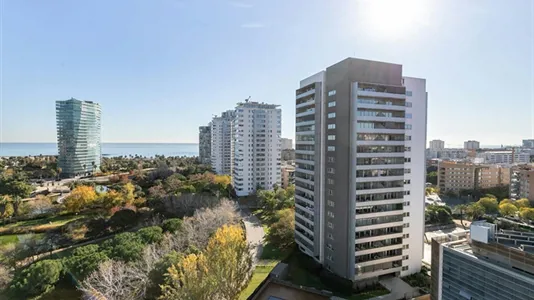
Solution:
(309, 132)
(378, 272)
(381, 130)
(379, 178)
(379, 226)
(373, 238)
(305, 200)
(380, 214)
(304, 161)
(304, 221)
(310, 182)
(305, 123)
(306, 209)
(380, 190)
(379, 261)
(379, 202)
(309, 152)
(309, 102)
(380, 119)
(308, 112)
(376, 94)
(307, 93)
(381, 143)
(303, 236)
(378, 249)
(304, 142)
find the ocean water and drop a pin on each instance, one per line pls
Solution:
(108, 149)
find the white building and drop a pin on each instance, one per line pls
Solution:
(447, 153)
(437, 144)
(221, 143)
(471, 145)
(257, 152)
(505, 157)
(287, 143)
(360, 169)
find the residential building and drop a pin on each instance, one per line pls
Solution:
(457, 176)
(528, 144)
(204, 144)
(437, 145)
(78, 137)
(448, 153)
(360, 176)
(286, 144)
(506, 157)
(257, 155)
(490, 265)
(471, 145)
(522, 182)
(222, 154)
(288, 175)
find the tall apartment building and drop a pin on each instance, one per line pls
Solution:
(505, 157)
(204, 144)
(257, 155)
(471, 145)
(78, 137)
(457, 176)
(437, 144)
(490, 265)
(522, 182)
(222, 154)
(360, 176)
(286, 143)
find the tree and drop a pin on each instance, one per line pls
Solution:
(128, 193)
(282, 231)
(523, 202)
(476, 211)
(507, 209)
(432, 177)
(526, 213)
(219, 273)
(152, 234)
(81, 197)
(125, 246)
(84, 260)
(6, 207)
(110, 199)
(172, 225)
(462, 208)
(157, 274)
(16, 187)
(123, 219)
(490, 205)
(506, 200)
(37, 279)
(41, 204)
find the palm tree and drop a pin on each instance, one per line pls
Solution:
(463, 209)
(93, 167)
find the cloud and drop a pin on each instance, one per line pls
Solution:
(253, 25)
(240, 4)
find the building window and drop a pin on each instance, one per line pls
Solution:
(406, 214)
(331, 148)
(407, 171)
(330, 258)
(405, 236)
(409, 93)
(330, 181)
(405, 246)
(405, 268)
(332, 104)
(330, 225)
(406, 225)
(330, 203)
(407, 181)
(405, 257)
(330, 214)
(407, 159)
(332, 93)
(408, 104)
(407, 149)
(408, 138)
(331, 115)
(331, 137)
(408, 116)
(407, 126)
(331, 126)
(406, 193)
(330, 170)
(407, 203)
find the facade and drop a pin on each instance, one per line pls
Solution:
(78, 137)
(449, 153)
(437, 144)
(471, 145)
(360, 176)
(522, 182)
(505, 157)
(491, 265)
(286, 144)
(257, 154)
(457, 176)
(204, 144)
(528, 144)
(288, 175)
(222, 154)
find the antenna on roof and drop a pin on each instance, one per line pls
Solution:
(246, 100)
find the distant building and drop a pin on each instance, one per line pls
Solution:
(222, 152)
(491, 265)
(257, 157)
(448, 153)
(286, 143)
(204, 144)
(437, 144)
(471, 145)
(288, 175)
(78, 137)
(457, 176)
(505, 157)
(522, 182)
(528, 144)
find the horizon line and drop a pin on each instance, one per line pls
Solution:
(102, 143)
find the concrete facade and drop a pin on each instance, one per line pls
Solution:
(522, 182)
(222, 145)
(204, 144)
(471, 145)
(437, 144)
(286, 144)
(360, 154)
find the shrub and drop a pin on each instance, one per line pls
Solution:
(96, 227)
(125, 246)
(37, 279)
(84, 260)
(123, 219)
(150, 235)
(172, 225)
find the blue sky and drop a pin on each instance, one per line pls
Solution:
(161, 68)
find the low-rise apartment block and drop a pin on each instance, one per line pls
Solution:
(457, 176)
(505, 157)
(449, 153)
(522, 182)
(490, 264)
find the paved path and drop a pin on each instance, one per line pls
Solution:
(398, 288)
(255, 233)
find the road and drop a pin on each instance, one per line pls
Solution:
(255, 233)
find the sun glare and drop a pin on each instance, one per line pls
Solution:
(392, 18)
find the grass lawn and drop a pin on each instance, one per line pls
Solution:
(271, 252)
(6, 240)
(39, 224)
(258, 276)
(369, 294)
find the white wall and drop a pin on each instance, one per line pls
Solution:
(417, 175)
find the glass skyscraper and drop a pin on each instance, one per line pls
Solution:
(78, 137)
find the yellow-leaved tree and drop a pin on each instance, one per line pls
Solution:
(220, 272)
(526, 213)
(523, 202)
(507, 209)
(81, 197)
(128, 191)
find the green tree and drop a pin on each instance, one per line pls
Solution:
(491, 206)
(36, 279)
(282, 231)
(507, 209)
(157, 275)
(432, 177)
(526, 213)
(172, 225)
(123, 219)
(523, 202)
(476, 211)
(84, 260)
(150, 235)
(125, 246)
(462, 209)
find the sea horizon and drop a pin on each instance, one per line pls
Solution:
(112, 149)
